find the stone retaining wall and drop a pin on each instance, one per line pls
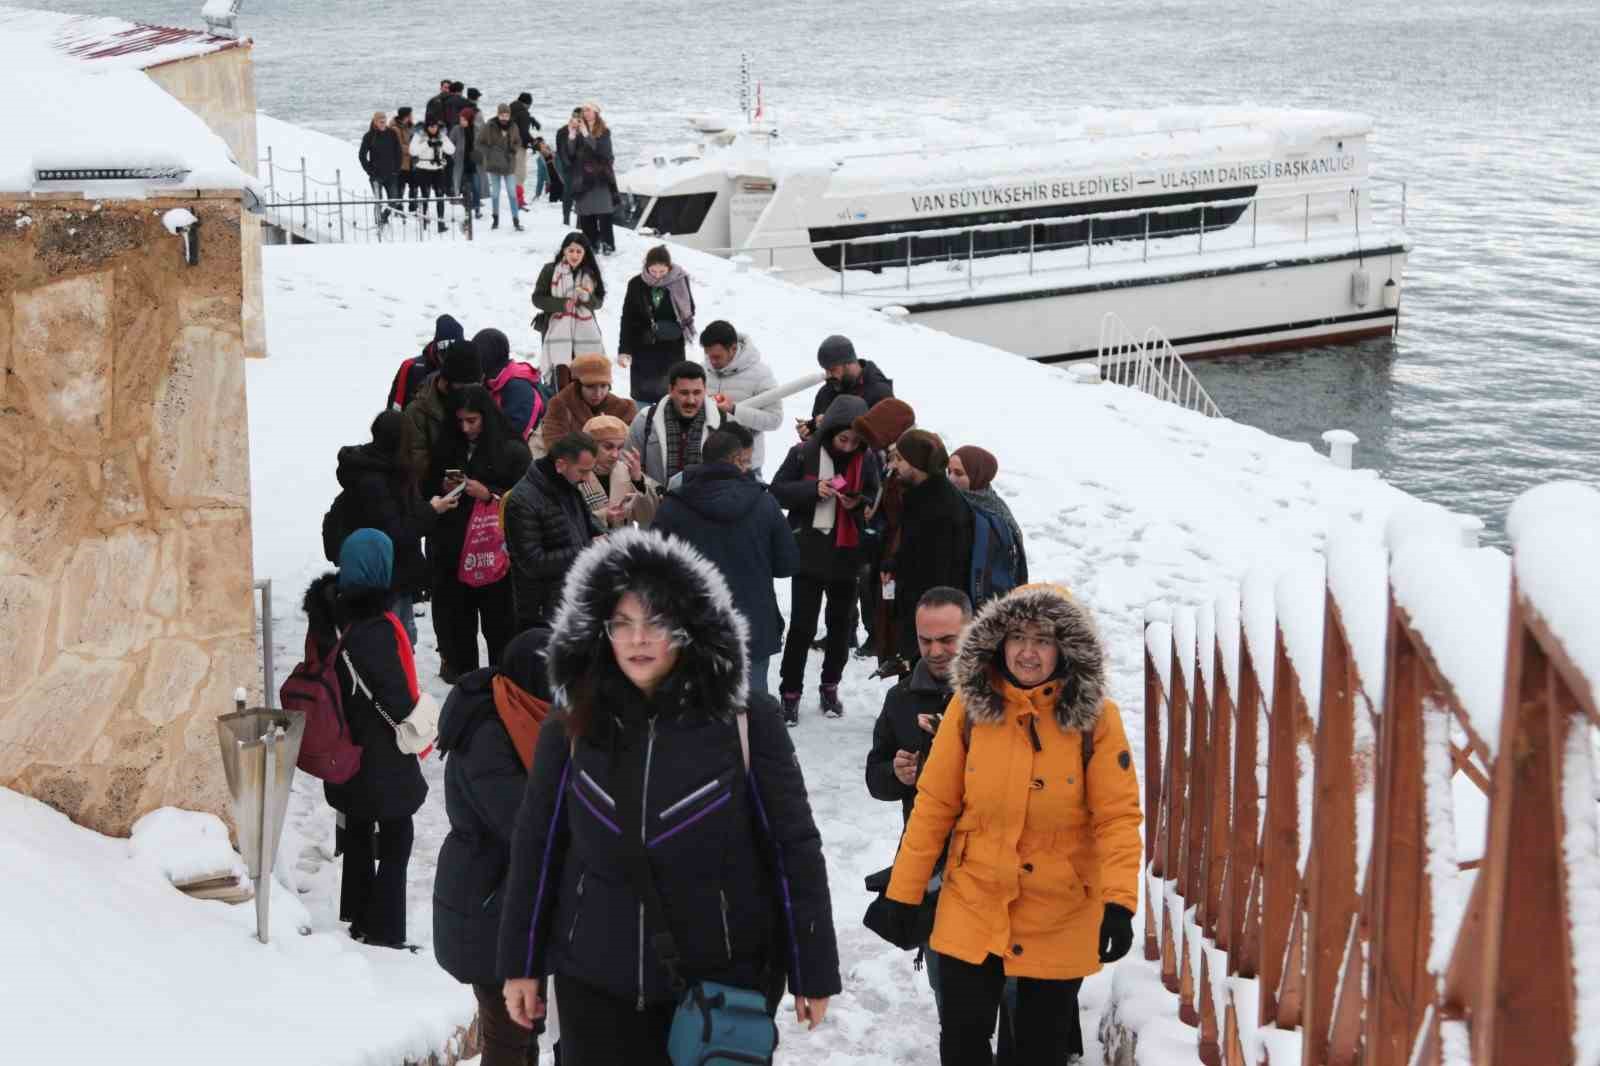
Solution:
(126, 610)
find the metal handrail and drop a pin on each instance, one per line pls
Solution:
(1355, 193)
(344, 214)
(1151, 366)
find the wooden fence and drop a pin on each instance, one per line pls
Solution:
(1370, 805)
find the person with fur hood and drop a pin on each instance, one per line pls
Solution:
(824, 484)
(1031, 785)
(487, 732)
(666, 837)
(734, 373)
(377, 678)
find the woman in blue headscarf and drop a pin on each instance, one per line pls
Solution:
(376, 678)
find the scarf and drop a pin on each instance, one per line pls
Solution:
(565, 285)
(683, 439)
(676, 282)
(828, 515)
(521, 714)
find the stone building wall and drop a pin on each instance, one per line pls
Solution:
(221, 88)
(126, 610)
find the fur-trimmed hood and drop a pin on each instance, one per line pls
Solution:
(978, 667)
(676, 579)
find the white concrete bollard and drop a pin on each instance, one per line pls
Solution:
(741, 264)
(1471, 529)
(1341, 447)
(1084, 373)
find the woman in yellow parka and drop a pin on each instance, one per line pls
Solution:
(1031, 783)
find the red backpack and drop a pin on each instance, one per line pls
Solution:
(328, 749)
(516, 370)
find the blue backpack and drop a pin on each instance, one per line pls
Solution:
(994, 557)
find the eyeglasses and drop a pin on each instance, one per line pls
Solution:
(652, 630)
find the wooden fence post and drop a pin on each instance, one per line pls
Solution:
(1331, 871)
(1244, 853)
(1280, 840)
(1219, 830)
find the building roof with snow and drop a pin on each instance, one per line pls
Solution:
(95, 67)
(105, 40)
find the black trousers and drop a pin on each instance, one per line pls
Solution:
(599, 230)
(600, 1030)
(805, 600)
(433, 183)
(505, 1043)
(1045, 1025)
(458, 613)
(372, 892)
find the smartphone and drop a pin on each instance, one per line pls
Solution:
(838, 483)
(454, 493)
(454, 475)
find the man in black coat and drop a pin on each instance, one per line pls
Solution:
(935, 531)
(847, 376)
(731, 519)
(434, 110)
(547, 524)
(380, 156)
(487, 733)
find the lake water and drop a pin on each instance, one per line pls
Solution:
(1486, 108)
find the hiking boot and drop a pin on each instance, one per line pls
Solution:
(831, 707)
(791, 709)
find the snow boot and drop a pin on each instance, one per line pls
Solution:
(496, 223)
(516, 224)
(791, 709)
(831, 707)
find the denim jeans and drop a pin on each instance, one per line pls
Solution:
(759, 667)
(405, 609)
(496, 183)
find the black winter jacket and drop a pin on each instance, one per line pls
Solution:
(735, 855)
(389, 784)
(525, 121)
(795, 487)
(385, 499)
(547, 525)
(483, 785)
(380, 153)
(897, 730)
(935, 549)
(872, 386)
(498, 475)
(731, 519)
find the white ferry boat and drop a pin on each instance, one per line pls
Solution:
(1232, 230)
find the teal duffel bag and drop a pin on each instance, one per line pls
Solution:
(720, 1025)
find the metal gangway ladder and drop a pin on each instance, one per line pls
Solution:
(1150, 365)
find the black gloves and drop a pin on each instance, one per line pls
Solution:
(901, 924)
(1116, 932)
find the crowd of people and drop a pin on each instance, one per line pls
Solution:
(465, 152)
(630, 830)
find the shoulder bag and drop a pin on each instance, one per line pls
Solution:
(414, 734)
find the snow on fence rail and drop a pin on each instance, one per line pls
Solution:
(1416, 880)
(319, 210)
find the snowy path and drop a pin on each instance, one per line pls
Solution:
(1122, 499)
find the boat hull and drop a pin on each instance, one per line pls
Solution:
(1287, 302)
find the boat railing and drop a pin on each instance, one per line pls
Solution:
(1274, 220)
(1150, 365)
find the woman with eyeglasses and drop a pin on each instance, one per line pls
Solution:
(1031, 786)
(665, 838)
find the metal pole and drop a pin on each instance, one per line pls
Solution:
(1088, 259)
(1308, 219)
(305, 208)
(972, 238)
(1255, 209)
(338, 184)
(264, 877)
(268, 674)
(844, 261)
(272, 177)
(1202, 230)
(1030, 248)
(1147, 236)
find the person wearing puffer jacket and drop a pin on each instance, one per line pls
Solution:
(1031, 785)
(734, 373)
(487, 732)
(513, 383)
(376, 678)
(659, 765)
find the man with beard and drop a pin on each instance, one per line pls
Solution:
(847, 376)
(667, 436)
(547, 524)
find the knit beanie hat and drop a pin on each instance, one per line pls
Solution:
(461, 365)
(981, 466)
(366, 560)
(836, 351)
(923, 450)
(494, 351)
(606, 427)
(592, 369)
(386, 430)
(882, 426)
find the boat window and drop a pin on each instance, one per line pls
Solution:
(1067, 228)
(680, 214)
(629, 210)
